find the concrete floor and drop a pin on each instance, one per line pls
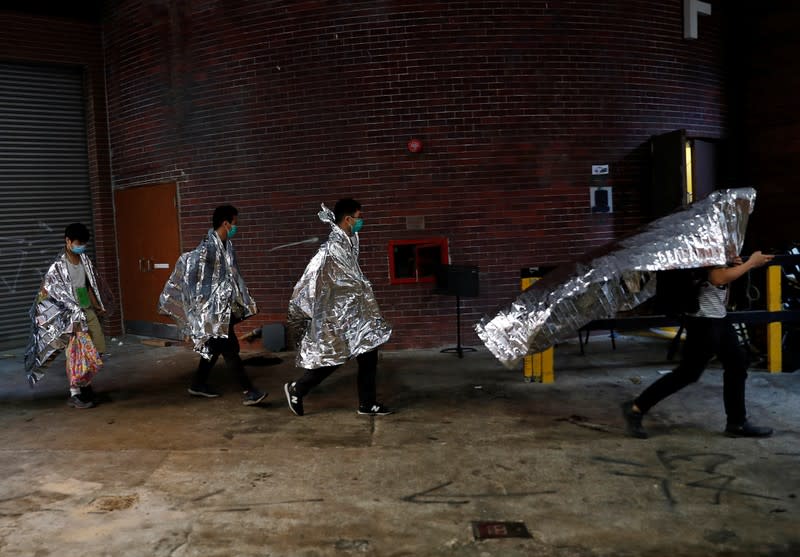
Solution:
(153, 472)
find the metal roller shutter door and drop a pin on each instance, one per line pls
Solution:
(44, 181)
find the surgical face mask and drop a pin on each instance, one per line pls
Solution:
(357, 226)
(232, 231)
(77, 250)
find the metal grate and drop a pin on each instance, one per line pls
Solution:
(44, 180)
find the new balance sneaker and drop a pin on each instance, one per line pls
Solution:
(746, 429)
(294, 400)
(203, 390)
(376, 409)
(76, 401)
(253, 397)
(633, 421)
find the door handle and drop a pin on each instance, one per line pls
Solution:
(141, 265)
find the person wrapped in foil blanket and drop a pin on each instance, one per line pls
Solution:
(56, 313)
(207, 296)
(333, 313)
(707, 233)
(204, 291)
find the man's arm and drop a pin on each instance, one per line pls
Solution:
(725, 275)
(95, 304)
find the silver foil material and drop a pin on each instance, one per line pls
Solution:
(204, 291)
(707, 233)
(333, 314)
(56, 314)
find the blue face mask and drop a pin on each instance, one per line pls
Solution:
(359, 224)
(232, 231)
(77, 250)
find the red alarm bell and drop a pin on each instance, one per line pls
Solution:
(415, 145)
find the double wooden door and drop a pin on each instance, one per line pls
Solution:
(148, 243)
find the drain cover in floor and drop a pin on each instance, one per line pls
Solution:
(486, 530)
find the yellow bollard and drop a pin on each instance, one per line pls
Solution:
(538, 367)
(774, 330)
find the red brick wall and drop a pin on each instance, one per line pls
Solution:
(766, 67)
(278, 106)
(30, 39)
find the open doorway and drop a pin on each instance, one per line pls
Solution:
(684, 170)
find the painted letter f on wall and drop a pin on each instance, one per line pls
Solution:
(691, 9)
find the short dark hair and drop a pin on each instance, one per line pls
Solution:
(345, 208)
(77, 231)
(223, 213)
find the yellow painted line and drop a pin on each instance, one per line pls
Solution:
(689, 183)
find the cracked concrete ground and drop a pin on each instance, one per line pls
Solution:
(154, 472)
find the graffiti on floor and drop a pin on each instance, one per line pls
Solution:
(437, 495)
(704, 472)
(110, 503)
(249, 506)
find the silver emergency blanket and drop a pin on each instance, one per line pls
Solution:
(333, 314)
(707, 233)
(56, 314)
(204, 291)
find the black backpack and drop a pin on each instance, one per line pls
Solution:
(677, 291)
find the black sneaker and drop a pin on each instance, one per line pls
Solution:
(746, 429)
(633, 421)
(253, 397)
(87, 393)
(203, 390)
(294, 400)
(376, 409)
(76, 401)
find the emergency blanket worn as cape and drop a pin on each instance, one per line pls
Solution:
(333, 314)
(204, 291)
(707, 233)
(56, 314)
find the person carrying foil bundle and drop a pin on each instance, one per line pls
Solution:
(65, 315)
(207, 296)
(708, 332)
(333, 314)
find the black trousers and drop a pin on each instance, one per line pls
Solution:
(705, 338)
(229, 349)
(367, 369)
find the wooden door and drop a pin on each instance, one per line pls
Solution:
(149, 244)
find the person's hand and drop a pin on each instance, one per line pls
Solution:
(757, 259)
(737, 261)
(250, 337)
(100, 312)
